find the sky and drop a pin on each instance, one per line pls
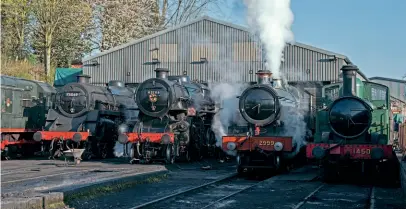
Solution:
(372, 33)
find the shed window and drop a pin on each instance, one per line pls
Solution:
(209, 51)
(246, 51)
(164, 52)
(378, 94)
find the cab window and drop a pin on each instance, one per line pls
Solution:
(378, 93)
(7, 101)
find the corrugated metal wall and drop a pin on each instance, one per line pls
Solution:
(231, 54)
(396, 89)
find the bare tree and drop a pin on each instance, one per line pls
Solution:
(174, 12)
(52, 19)
(117, 22)
(14, 19)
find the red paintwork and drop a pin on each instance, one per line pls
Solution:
(17, 130)
(267, 142)
(153, 137)
(50, 135)
(5, 143)
(356, 151)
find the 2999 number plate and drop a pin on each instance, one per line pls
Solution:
(266, 143)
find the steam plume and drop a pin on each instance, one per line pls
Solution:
(225, 94)
(271, 20)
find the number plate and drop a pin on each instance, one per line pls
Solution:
(71, 94)
(266, 143)
(362, 151)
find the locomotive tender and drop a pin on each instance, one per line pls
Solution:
(353, 128)
(174, 120)
(267, 144)
(89, 117)
(24, 105)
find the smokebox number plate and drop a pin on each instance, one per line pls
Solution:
(266, 143)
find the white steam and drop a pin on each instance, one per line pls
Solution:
(271, 20)
(294, 126)
(226, 95)
(119, 149)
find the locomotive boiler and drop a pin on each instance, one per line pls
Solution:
(265, 106)
(23, 112)
(353, 129)
(174, 120)
(89, 117)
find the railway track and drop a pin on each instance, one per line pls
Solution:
(316, 197)
(203, 196)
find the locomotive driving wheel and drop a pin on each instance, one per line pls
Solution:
(169, 154)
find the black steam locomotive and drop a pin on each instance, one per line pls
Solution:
(89, 117)
(174, 120)
(274, 129)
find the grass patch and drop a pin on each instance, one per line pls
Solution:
(103, 190)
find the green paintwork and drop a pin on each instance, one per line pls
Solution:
(380, 117)
(29, 101)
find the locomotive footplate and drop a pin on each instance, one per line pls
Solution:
(264, 143)
(51, 135)
(349, 151)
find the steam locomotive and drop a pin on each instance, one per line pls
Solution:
(23, 111)
(268, 141)
(353, 127)
(88, 117)
(174, 120)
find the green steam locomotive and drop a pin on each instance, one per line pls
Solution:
(353, 128)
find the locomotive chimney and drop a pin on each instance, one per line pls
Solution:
(264, 76)
(83, 78)
(162, 73)
(349, 80)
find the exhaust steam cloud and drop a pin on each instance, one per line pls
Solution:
(272, 21)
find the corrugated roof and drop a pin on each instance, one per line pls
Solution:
(388, 79)
(135, 41)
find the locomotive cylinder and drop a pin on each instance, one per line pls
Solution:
(349, 80)
(83, 78)
(162, 73)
